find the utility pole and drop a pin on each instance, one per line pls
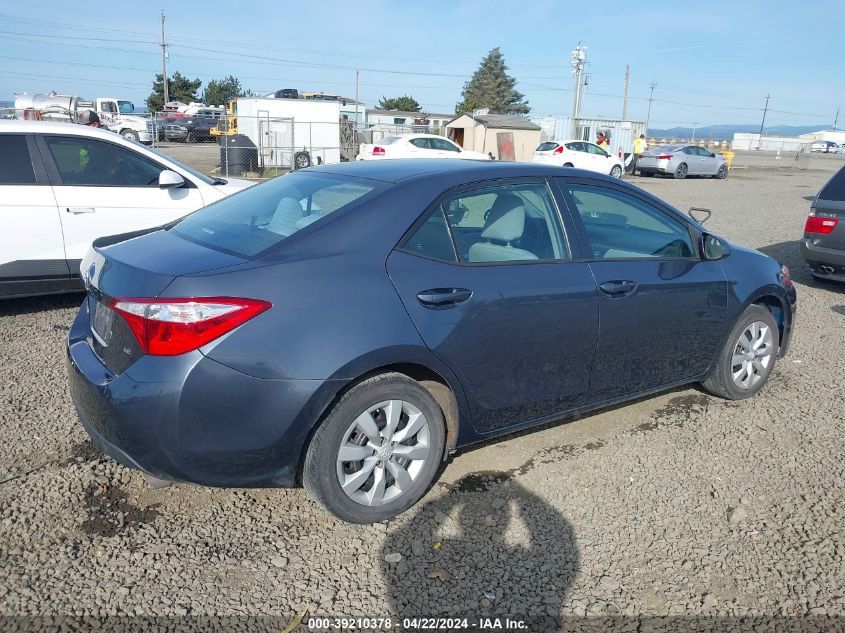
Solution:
(836, 119)
(653, 85)
(356, 101)
(579, 58)
(763, 123)
(625, 98)
(164, 59)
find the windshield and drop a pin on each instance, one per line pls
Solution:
(125, 107)
(261, 217)
(190, 170)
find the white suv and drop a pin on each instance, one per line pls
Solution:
(63, 185)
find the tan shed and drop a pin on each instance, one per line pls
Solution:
(505, 136)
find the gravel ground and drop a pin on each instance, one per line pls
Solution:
(677, 505)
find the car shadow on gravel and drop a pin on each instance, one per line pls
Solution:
(789, 253)
(29, 305)
(488, 549)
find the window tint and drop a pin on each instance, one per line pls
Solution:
(15, 163)
(431, 238)
(443, 145)
(835, 188)
(505, 223)
(422, 143)
(621, 226)
(86, 161)
(261, 217)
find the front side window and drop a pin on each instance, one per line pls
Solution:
(444, 145)
(595, 149)
(505, 223)
(263, 216)
(90, 162)
(15, 163)
(620, 226)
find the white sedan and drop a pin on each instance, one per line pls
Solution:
(64, 185)
(416, 146)
(579, 154)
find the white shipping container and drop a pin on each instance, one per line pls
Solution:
(282, 127)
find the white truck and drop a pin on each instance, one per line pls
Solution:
(118, 115)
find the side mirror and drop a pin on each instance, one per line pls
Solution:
(699, 214)
(713, 248)
(170, 180)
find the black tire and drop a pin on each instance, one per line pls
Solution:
(190, 137)
(301, 160)
(320, 476)
(130, 135)
(722, 173)
(616, 172)
(568, 165)
(682, 171)
(720, 382)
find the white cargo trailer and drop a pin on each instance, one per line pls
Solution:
(283, 128)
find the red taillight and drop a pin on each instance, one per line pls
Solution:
(167, 327)
(558, 150)
(378, 151)
(664, 157)
(822, 226)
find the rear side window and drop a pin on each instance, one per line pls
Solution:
(431, 238)
(15, 163)
(261, 217)
(835, 187)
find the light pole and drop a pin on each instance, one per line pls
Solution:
(578, 61)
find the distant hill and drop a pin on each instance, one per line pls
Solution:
(725, 132)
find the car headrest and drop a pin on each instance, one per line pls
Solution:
(506, 220)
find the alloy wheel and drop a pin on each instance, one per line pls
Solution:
(383, 452)
(681, 172)
(752, 355)
(616, 172)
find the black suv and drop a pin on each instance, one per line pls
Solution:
(195, 128)
(823, 246)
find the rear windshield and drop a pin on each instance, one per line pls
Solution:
(261, 217)
(835, 188)
(387, 140)
(545, 147)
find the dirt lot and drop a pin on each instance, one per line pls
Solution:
(680, 504)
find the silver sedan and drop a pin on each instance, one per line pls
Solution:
(681, 161)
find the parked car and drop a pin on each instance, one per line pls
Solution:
(194, 128)
(681, 161)
(416, 146)
(62, 185)
(350, 326)
(823, 245)
(580, 154)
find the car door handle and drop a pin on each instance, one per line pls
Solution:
(443, 297)
(78, 210)
(618, 288)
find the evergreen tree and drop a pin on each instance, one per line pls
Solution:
(179, 88)
(221, 91)
(492, 87)
(405, 103)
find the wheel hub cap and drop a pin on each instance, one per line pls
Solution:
(383, 452)
(753, 355)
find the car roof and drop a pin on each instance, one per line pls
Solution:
(18, 126)
(396, 170)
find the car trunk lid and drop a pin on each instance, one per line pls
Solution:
(137, 265)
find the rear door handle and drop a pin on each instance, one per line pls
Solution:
(443, 297)
(618, 288)
(78, 210)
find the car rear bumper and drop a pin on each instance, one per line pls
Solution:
(189, 418)
(824, 262)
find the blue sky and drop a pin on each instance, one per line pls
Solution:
(713, 62)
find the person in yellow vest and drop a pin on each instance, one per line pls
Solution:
(639, 149)
(602, 141)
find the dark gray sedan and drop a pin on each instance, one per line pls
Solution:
(823, 246)
(681, 161)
